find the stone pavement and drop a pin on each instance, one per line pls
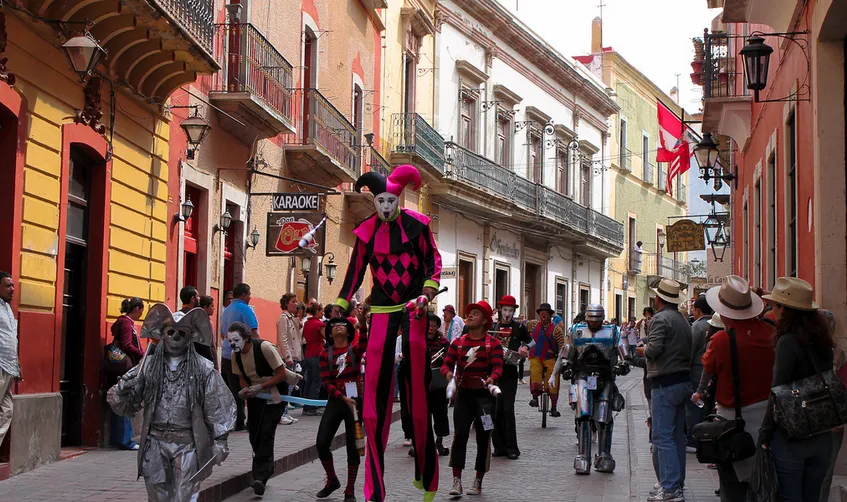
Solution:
(543, 473)
(110, 475)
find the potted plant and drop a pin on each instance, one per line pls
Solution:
(697, 78)
(699, 48)
(697, 66)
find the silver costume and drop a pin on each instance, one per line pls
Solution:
(593, 355)
(188, 409)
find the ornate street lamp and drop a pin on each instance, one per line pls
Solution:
(706, 153)
(719, 243)
(185, 210)
(756, 56)
(660, 237)
(306, 264)
(84, 54)
(330, 267)
(226, 220)
(254, 238)
(196, 129)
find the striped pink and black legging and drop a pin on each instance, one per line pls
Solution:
(379, 398)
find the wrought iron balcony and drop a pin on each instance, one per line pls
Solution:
(377, 162)
(154, 46)
(416, 142)
(254, 85)
(625, 159)
(664, 266)
(726, 106)
(330, 141)
(647, 172)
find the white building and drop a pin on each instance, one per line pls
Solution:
(519, 204)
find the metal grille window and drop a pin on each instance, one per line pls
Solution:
(757, 234)
(504, 139)
(563, 167)
(771, 181)
(536, 157)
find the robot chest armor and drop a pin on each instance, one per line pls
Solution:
(601, 341)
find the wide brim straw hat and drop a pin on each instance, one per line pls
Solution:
(734, 299)
(668, 290)
(794, 293)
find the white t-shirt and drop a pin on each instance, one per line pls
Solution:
(452, 329)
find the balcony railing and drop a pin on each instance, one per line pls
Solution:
(326, 128)
(377, 163)
(534, 197)
(195, 17)
(412, 134)
(252, 64)
(662, 182)
(647, 172)
(664, 267)
(720, 74)
(626, 159)
(682, 192)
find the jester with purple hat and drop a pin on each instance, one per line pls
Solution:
(405, 264)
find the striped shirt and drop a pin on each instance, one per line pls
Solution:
(351, 371)
(8, 340)
(488, 361)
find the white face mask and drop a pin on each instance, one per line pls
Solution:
(386, 205)
(506, 314)
(235, 341)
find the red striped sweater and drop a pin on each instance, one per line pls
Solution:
(333, 382)
(488, 361)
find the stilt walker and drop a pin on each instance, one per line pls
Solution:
(399, 247)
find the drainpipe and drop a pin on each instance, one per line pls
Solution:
(574, 284)
(486, 261)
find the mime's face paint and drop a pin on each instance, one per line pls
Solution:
(507, 314)
(386, 205)
(236, 341)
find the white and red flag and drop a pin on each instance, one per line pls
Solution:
(673, 144)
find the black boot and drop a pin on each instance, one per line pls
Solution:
(439, 445)
(554, 412)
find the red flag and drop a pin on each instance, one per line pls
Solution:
(670, 132)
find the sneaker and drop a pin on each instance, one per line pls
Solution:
(331, 486)
(667, 496)
(522, 381)
(456, 491)
(287, 420)
(476, 489)
(533, 402)
(690, 449)
(349, 497)
(407, 442)
(258, 487)
(656, 488)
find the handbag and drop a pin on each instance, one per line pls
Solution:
(719, 440)
(811, 405)
(115, 360)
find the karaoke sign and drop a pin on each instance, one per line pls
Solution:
(286, 229)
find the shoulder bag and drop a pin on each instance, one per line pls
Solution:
(719, 440)
(811, 405)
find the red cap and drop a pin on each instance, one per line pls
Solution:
(508, 301)
(449, 308)
(483, 307)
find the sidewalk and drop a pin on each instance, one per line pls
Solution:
(110, 475)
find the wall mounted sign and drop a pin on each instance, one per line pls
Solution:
(448, 273)
(501, 248)
(297, 202)
(686, 235)
(284, 231)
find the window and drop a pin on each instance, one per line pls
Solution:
(468, 125)
(563, 168)
(622, 150)
(757, 234)
(634, 257)
(645, 152)
(536, 158)
(746, 248)
(619, 307)
(586, 182)
(466, 282)
(504, 140)
(791, 197)
(562, 298)
(584, 297)
(771, 181)
(501, 280)
(409, 77)
(79, 191)
(191, 236)
(630, 308)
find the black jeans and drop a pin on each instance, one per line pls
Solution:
(335, 413)
(732, 490)
(505, 436)
(234, 386)
(437, 400)
(262, 421)
(466, 412)
(405, 415)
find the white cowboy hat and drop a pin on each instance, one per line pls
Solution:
(794, 293)
(716, 322)
(668, 290)
(734, 299)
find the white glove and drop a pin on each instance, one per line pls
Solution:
(298, 368)
(551, 382)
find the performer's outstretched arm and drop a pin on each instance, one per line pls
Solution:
(355, 274)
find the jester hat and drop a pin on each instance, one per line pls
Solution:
(195, 324)
(394, 183)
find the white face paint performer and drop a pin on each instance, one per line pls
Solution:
(507, 313)
(386, 205)
(188, 409)
(236, 341)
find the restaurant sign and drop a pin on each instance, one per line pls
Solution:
(686, 235)
(297, 202)
(285, 230)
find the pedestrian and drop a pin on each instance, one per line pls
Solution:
(803, 342)
(668, 353)
(451, 326)
(125, 339)
(631, 335)
(228, 296)
(515, 339)
(313, 335)
(478, 360)
(260, 369)
(9, 367)
(837, 434)
(207, 303)
(239, 310)
(437, 347)
(190, 299)
(699, 331)
(739, 310)
(643, 324)
(341, 374)
(547, 340)
(288, 341)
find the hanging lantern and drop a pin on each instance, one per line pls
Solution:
(84, 54)
(756, 56)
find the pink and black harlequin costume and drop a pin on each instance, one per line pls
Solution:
(399, 247)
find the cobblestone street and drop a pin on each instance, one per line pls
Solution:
(543, 473)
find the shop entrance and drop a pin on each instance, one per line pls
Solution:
(531, 288)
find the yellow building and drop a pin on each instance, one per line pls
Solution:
(87, 211)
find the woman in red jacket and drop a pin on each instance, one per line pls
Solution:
(126, 339)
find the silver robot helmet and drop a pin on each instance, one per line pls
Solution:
(595, 312)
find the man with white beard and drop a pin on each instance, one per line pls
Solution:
(514, 337)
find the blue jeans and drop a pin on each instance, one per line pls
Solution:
(801, 466)
(668, 410)
(312, 374)
(121, 433)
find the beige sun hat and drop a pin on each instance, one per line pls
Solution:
(794, 293)
(716, 321)
(734, 299)
(668, 290)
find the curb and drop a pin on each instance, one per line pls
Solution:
(236, 484)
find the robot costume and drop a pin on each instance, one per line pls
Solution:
(593, 355)
(399, 247)
(188, 409)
